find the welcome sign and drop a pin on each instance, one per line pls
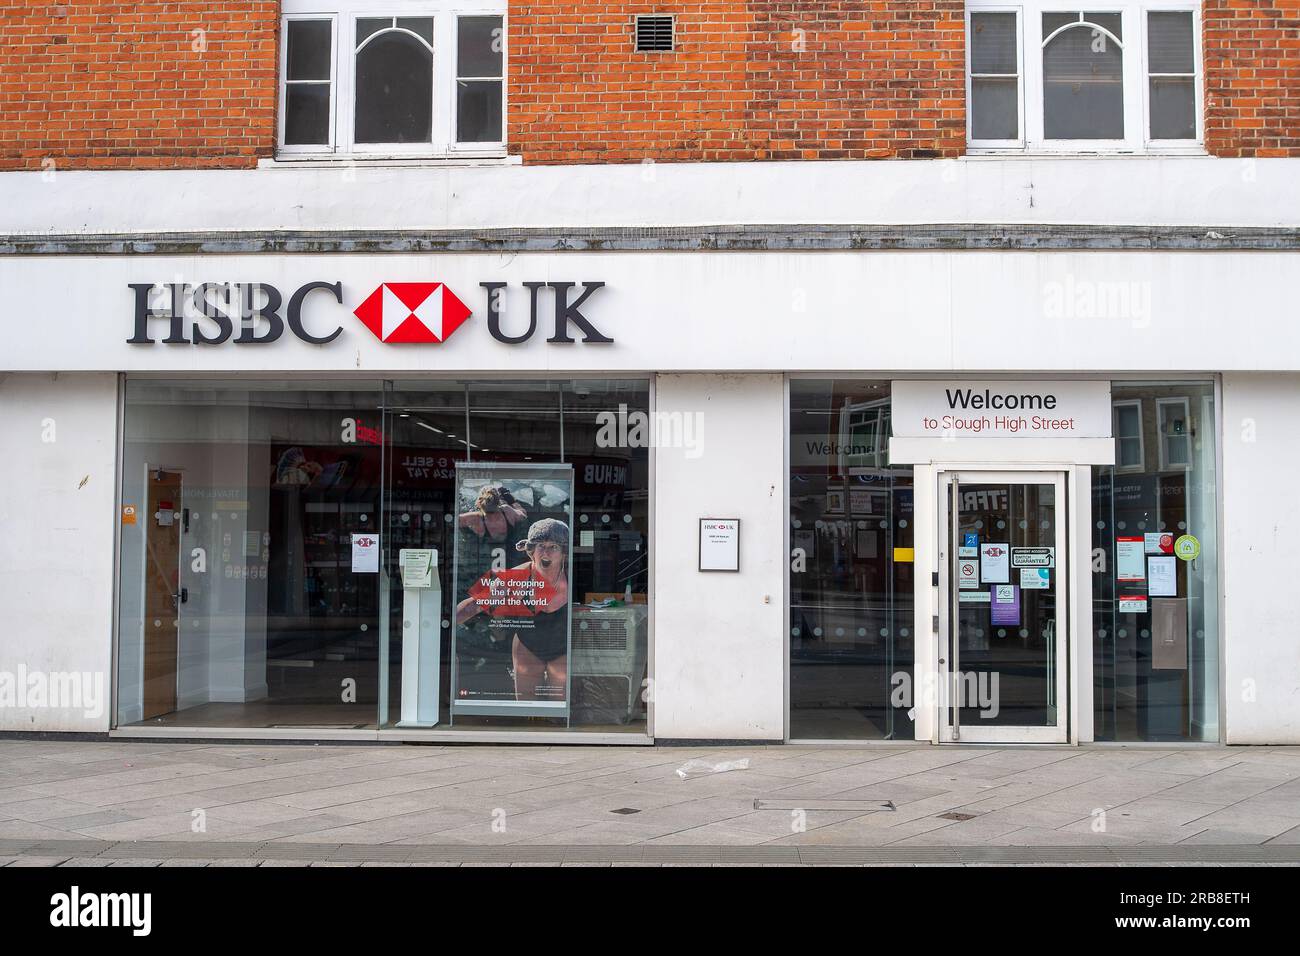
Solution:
(957, 408)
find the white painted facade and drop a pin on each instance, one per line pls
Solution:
(717, 332)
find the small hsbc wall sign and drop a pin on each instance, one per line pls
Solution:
(398, 313)
(1000, 409)
(719, 544)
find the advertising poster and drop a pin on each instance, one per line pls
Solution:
(512, 575)
(1005, 603)
(1035, 579)
(1159, 542)
(1033, 557)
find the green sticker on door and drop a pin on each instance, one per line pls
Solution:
(1187, 547)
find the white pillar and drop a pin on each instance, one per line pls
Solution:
(719, 642)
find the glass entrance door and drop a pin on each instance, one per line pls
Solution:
(1002, 635)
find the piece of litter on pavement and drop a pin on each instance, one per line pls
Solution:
(695, 768)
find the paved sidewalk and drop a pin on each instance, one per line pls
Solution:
(138, 803)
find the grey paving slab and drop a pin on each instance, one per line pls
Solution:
(85, 821)
(1290, 837)
(41, 861)
(22, 830)
(86, 800)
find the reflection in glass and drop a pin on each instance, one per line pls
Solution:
(851, 577)
(433, 426)
(394, 89)
(1007, 653)
(1155, 636)
(1083, 85)
(238, 604)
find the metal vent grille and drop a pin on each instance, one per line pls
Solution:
(654, 33)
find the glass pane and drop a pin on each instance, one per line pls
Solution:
(1156, 611)
(1007, 604)
(1114, 22)
(479, 47)
(528, 423)
(993, 43)
(1169, 43)
(368, 26)
(1128, 452)
(308, 50)
(394, 91)
(420, 26)
(478, 111)
(995, 108)
(307, 114)
(1127, 421)
(1083, 86)
(1173, 108)
(259, 479)
(851, 575)
(1052, 21)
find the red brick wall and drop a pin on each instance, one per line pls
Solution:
(122, 84)
(1252, 77)
(764, 79)
(110, 84)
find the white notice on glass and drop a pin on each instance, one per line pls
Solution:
(1162, 576)
(1129, 557)
(365, 553)
(995, 563)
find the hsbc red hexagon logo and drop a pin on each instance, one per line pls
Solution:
(403, 312)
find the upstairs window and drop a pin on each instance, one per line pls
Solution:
(367, 78)
(1129, 452)
(1045, 76)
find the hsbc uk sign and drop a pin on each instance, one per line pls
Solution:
(258, 313)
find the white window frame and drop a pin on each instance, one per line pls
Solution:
(1142, 451)
(1137, 106)
(999, 144)
(344, 14)
(1161, 405)
(496, 146)
(283, 93)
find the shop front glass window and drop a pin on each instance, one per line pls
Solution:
(238, 605)
(535, 495)
(1155, 568)
(263, 531)
(851, 571)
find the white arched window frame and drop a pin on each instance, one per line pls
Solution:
(342, 15)
(358, 49)
(1136, 72)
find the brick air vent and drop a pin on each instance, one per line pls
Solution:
(654, 33)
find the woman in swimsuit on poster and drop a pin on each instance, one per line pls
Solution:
(539, 649)
(495, 512)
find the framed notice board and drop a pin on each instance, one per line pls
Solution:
(719, 544)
